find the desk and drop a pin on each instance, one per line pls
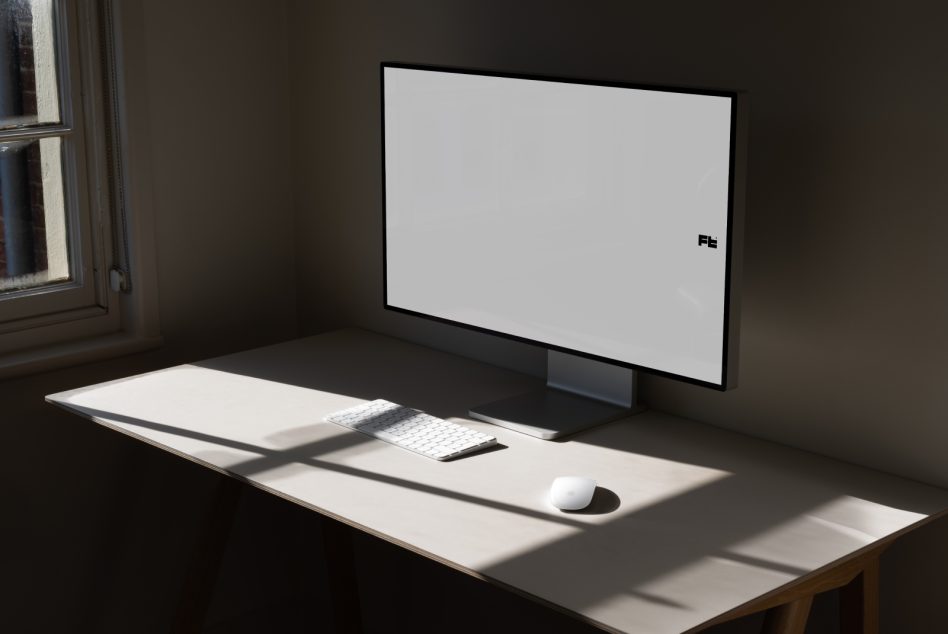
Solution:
(695, 524)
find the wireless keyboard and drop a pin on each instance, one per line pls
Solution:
(412, 429)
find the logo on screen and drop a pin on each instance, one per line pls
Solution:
(703, 240)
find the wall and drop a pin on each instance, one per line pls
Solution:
(98, 530)
(844, 300)
(217, 84)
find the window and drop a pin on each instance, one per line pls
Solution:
(64, 262)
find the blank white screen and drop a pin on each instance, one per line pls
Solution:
(567, 214)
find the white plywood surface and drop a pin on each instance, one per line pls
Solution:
(692, 521)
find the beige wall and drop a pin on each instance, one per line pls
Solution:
(216, 76)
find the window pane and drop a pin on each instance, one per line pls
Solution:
(33, 249)
(29, 95)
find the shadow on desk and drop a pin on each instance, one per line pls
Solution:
(305, 457)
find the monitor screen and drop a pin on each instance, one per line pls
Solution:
(587, 217)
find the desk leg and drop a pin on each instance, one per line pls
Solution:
(859, 601)
(343, 583)
(205, 563)
(789, 618)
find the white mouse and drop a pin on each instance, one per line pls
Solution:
(572, 493)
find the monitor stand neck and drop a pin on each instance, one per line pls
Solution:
(580, 393)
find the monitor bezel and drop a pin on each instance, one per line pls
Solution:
(735, 187)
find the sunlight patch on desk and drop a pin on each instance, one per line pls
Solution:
(220, 403)
(843, 524)
(705, 582)
(854, 514)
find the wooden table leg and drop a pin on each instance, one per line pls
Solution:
(859, 602)
(343, 582)
(203, 569)
(789, 618)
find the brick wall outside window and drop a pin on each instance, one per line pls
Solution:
(23, 29)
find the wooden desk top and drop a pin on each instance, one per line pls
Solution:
(694, 522)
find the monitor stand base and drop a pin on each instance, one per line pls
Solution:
(550, 413)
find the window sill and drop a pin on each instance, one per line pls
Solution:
(63, 355)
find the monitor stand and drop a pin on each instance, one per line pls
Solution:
(580, 393)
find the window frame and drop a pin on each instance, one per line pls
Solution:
(88, 317)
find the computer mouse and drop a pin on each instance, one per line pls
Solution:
(572, 493)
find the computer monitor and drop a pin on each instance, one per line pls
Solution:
(600, 220)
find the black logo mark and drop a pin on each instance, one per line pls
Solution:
(708, 240)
